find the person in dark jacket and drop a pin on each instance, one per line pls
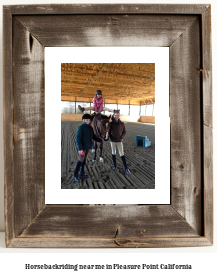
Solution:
(116, 135)
(84, 137)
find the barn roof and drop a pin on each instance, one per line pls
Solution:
(118, 81)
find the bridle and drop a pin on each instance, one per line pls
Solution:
(100, 133)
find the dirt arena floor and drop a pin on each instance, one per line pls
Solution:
(140, 161)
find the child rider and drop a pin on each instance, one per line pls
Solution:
(98, 103)
(84, 137)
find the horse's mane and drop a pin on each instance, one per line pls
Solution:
(98, 117)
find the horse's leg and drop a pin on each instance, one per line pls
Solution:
(100, 155)
(95, 148)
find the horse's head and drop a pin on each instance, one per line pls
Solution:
(102, 127)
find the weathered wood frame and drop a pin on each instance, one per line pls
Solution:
(186, 29)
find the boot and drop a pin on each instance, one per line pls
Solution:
(114, 168)
(78, 165)
(81, 173)
(125, 165)
(81, 108)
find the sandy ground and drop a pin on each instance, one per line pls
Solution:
(140, 161)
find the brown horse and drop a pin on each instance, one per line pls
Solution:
(101, 126)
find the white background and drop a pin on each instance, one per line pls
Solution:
(203, 259)
(53, 192)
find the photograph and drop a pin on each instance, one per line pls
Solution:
(108, 125)
(109, 113)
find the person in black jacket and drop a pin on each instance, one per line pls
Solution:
(84, 137)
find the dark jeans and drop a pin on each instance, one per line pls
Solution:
(83, 157)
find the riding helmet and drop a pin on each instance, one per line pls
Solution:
(98, 92)
(86, 116)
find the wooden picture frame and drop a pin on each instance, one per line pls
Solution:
(186, 30)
